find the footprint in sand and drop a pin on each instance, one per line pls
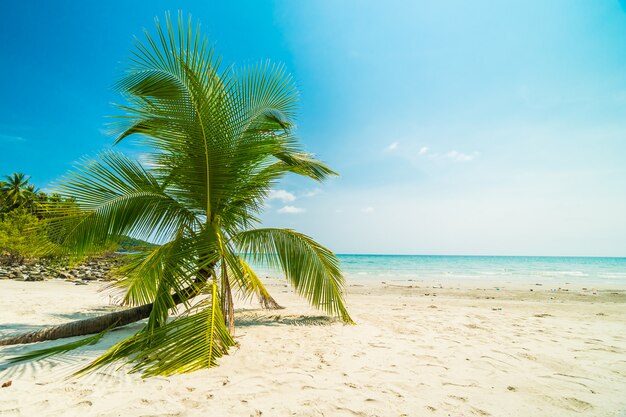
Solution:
(190, 403)
(479, 412)
(575, 404)
(83, 405)
(461, 399)
(11, 412)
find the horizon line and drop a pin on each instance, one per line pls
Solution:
(484, 256)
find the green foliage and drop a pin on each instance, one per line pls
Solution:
(129, 244)
(188, 343)
(218, 140)
(20, 237)
(56, 350)
(15, 192)
(312, 269)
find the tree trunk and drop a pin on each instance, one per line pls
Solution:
(228, 308)
(104, 322)
(82, 327)
(229, 312)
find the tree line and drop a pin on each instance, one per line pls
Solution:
(23, 211)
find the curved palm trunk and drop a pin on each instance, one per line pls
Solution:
(104, 322)
(82, 327)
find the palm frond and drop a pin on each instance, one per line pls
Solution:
(57, 350)
(248, 282)
(186, 344)
(312, 269)
(116, 197)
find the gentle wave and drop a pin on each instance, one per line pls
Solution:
(488, 268)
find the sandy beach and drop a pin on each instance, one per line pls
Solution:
(418, 349)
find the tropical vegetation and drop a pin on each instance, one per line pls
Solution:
(216, 140)
(23, 207)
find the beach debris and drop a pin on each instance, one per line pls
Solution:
(7, 384)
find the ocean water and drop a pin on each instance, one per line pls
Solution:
(454, 269)
(464, 269)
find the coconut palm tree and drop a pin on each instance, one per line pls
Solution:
(2, 196)
(15, 190)
(217, 140)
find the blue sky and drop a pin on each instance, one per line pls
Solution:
(457, 127)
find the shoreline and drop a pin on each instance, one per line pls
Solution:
(443, 351)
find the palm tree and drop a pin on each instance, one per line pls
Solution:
(2, 196)
(33, 198)
(218, 140)
(15, 190)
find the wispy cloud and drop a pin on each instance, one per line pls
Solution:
(461, 157)
(282, 195)
(453, 154)
(11, 138)
(291, 210)
(392, 147)
(312, 193)
(367, 210)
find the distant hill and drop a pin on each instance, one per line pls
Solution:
(129, 244)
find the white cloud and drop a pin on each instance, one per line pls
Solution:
(461, 157)
(423, 150)
(392, 147)
(367, 210)
(312, 193)
(282, 195)
(291, 210)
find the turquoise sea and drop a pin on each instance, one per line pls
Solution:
(460, 269)
(454, 269)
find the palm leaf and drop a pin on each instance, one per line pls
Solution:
(312, 269)
(248, 282)
(186, 344)
(57, 350)
(116, 197)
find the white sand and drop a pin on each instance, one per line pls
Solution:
(454, 352)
